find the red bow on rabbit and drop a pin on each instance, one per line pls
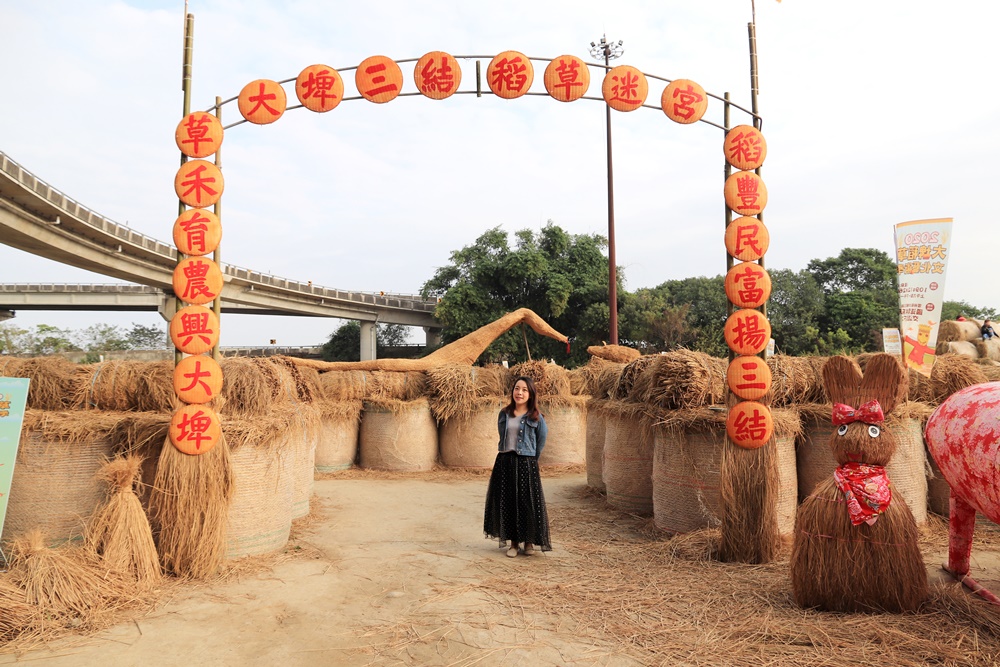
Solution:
(835, 564)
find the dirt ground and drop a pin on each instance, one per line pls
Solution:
(396, 571)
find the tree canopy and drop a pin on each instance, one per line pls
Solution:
(344, 344)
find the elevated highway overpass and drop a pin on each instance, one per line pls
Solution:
(37, 218)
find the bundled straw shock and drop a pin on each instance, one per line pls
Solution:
(119, 531)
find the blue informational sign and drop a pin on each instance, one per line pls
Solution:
(13, 397)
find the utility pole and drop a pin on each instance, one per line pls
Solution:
(610, 51)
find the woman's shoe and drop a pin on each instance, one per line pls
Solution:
(529, 549)
(512, 552)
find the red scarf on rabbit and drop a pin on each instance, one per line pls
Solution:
(865, 487)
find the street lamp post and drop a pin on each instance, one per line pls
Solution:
(610, 51)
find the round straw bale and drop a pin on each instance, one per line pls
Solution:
(794, 380)
(952, 372)
(578, 382)
(990, 369)
(988, 349)
(260, 512)
(918, 386)
(616, 353)
(953, 330)
(397, 385)
(345, 385)
(491, 381)
(628, 458)
(606, 377)
(337, 440)
(624, 389)
(248, 388)
(54, 485)
(566, 418)
(302, 437)
(469, 440)
(398, 436)
(155, 387)
(595, 443)
(54, 380)
(682, 379)
(549, 379)
(958, 347)
(297, 385)
(451, 391)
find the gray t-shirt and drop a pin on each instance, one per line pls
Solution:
(513, 424)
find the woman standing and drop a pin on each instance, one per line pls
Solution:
(515, 505)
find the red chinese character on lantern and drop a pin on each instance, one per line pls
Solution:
(196, 376)
(626, 88)
(378, 80)
(750, 424)
(194, 428)
(198, 184)
(261, 99)
(194, 232)
(195, 324)
(509, 74)
(745, 147)
(746, 239)
(437, 78)
(747, 187)
(748, 377)
(684, 100)
(748, 285)
(197, 284)
(319, 86)
(569, 76)
(196, 127)
(747, 331)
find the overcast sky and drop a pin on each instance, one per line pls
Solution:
(875, 112)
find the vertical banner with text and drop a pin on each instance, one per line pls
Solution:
(922, 248)
(13, 397)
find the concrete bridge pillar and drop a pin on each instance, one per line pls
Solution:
(368, 330)
(168, 306)
(432, 337)
(6, 314)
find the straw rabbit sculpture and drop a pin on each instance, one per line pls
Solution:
(855, 545)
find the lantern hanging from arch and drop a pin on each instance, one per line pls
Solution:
(194, 329)
(510, 74)
(262, 101)
(378, 79)
(747, 332)
(749, 377)
(746, 193)
(199, 183)
(437, 75)
(567, 78)
(197, 232)
(750, 424)
(747, 239)
(745, 147)
(319, 88)
(197, 379)
(199, 134)
(748, 285)
(625, 88)
(684, 101)
(195, 429)
(197, 280)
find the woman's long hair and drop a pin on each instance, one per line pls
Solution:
(533, 413)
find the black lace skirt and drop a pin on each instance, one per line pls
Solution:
(515, 504)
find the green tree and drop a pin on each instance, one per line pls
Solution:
(861, 295)
(950, 310)
(47, 340)
(13, 340)
(562, 277)
(103, 338)
(795, 308)
(141, 337)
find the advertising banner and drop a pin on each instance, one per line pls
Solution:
(891, 342)
(922, 249)
(13, 396)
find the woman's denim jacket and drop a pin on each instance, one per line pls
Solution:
(530, 436)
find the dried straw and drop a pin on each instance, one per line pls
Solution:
(18, 618)
(64, 580)
(189, 505)
(964, 348)
(297, 386)
(549, 379)
(795, 380)
(989, 349)
(681, 379)
(52, 380)
(842, 377)
(952, 372)
(991, 370)
(397, 385)
(616, 353)
(953, 330)
(578, 382)
(155, 390)
(119, 532)
(249, 388)
(345, 385)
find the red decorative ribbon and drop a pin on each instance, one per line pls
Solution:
(866, 489)
(869, 413)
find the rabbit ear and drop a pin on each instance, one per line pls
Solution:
(885, 380)
(841, 377)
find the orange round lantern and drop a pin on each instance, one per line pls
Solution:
(197, 231)
(197, 379)
(437, 75)
(747, 332)
(747, 239)
(748, 285)
(199, 183)
(684, 101)
(199, 134)
(749, 377)
(745, 193)
(745, 147)
(625, 88)
(197, 280)
(510, 75)
(567, 78)
(750, 424)
(262, 101)
(195, 429)
(319, 88)
(378, 79)
(194, 329)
